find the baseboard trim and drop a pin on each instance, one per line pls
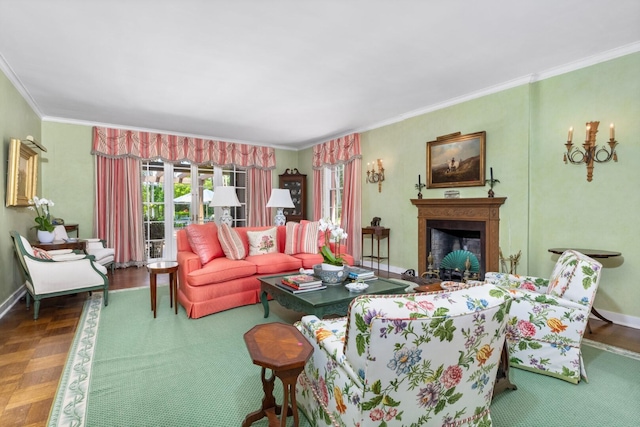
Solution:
(12, 300)
(619, 319)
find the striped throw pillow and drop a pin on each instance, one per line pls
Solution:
(41, 253)
(231, 242)
(302, 238)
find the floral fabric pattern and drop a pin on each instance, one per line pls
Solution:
(402, 360)
(548, 317)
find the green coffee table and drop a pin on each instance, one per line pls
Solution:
(333, 300)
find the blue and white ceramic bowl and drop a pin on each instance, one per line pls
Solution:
(330, 277)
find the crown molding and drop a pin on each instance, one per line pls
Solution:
(15, 81)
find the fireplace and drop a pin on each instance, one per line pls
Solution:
(445, 225)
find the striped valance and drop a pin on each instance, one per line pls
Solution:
(337, 151)
(120, 143)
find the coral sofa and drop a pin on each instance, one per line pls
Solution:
(210, 281)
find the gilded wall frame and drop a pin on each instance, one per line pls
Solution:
(456, 160)
(22, 174)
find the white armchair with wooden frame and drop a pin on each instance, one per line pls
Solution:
(48, 275)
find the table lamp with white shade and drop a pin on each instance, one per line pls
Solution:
(280, 199)
(225, 197)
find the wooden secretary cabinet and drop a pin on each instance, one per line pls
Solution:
(296, 183)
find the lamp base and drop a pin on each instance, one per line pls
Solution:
(279, 219)
(226, 217)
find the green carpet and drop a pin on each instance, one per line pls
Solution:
(126, 368)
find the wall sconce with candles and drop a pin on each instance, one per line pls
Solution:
(374, 176)
(591, 152)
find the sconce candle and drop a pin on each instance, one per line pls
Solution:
(570, 137)
(611, 132)
(491, 169)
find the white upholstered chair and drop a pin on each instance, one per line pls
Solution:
(548, 317)
(400, 360)
(52, 273)
(94, 247)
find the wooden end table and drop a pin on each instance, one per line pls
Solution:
(163, 267)
(284, 350)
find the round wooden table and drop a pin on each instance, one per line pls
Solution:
(163, 267)
(284, 350)
(591, 253)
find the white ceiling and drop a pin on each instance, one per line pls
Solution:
(289, 73)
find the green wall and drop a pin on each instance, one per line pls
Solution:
(549, 204)
(17, 120)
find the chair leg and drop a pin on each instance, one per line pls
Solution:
(28, 300)
(106, 296)
(36, 308)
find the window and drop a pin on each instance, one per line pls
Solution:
(332, 197)
(176, 195)
(234, 176)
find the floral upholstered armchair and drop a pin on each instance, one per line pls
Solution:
(400, 360)
(548, 317)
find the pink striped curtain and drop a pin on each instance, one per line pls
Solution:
(119, 196)
(259, 190)
(317, 192)
(344, 150)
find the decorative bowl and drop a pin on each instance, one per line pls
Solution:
(451, 286)
(356, 286)
(330, 277)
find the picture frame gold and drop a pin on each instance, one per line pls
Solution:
(22, 174)
(456, 160)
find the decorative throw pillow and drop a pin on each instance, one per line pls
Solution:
(263, 242)
(231, 242)
(41, 253)
(203, 239)
(302, 238)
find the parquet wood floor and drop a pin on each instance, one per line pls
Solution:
(33, 353)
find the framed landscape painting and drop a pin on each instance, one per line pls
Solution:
(456, 160)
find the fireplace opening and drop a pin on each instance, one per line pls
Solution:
(446, 236)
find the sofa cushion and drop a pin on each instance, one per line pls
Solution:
(221, 270)
(302, 238)
(203, 239)
(263, 242)
(309, 260)
(231, 243)
(274, 263)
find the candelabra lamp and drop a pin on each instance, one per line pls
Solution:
(280, 199)
(591, 154)
(225, 197)
(374, 176)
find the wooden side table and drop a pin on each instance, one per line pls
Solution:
(72, 227)
(79, 245)
(376, 233)
(284, 350)
(163, 267)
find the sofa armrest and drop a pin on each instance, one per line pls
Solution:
(506, 280)
(187, 263)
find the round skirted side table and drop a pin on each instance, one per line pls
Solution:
(163, 267)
